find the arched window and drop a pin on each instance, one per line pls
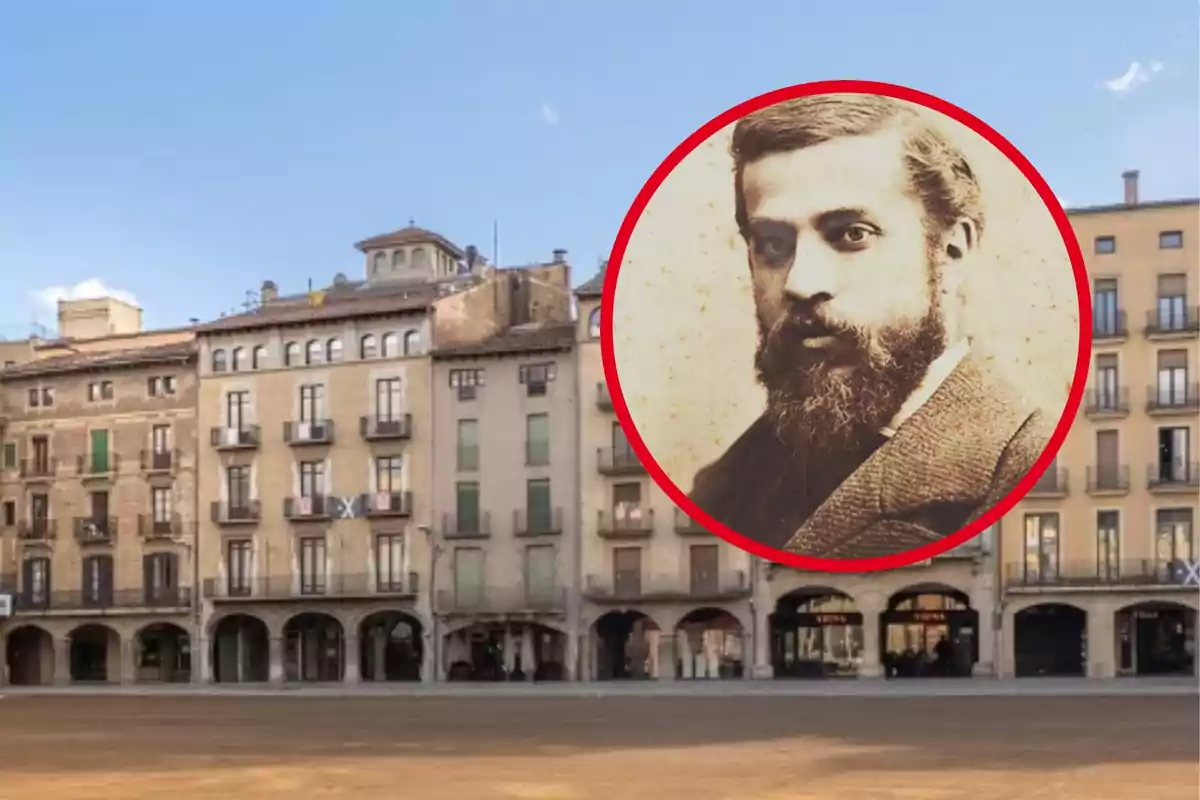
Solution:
(313, 352)
(218, 361)
(258, 357)
(333, 350)
(366, 347)
(397, 259)
(291, 354)
(387, 347)
(420, 259)
(236, 359)
(412, 343)
(594, 323)
(379, 263)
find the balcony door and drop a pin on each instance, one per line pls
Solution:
(627, 571)
(704, 560)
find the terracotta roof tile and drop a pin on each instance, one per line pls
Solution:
(548, 338)
(415, 298)
(409, 235)
(109, 359)
(594, 287)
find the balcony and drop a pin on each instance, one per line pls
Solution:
(293, 587)
(246, 437)
(1082, 574)
(151, 527)
(686, 526)
(383, 429)
(314, 507)
(1110, 326)
(537, 454)
(1173, 323)
(38, 469)
(38, 529)
(1106, 403)
(387, 504)
(1162, 479)
(503, 601)
(1182, 398)
(467, 526)
(1053, 483)
(247, 512)
(1108, 479)
(537, 522)
(618, 461)
(175, 598)
(630, 587)
(636, 523)
(603, 397)
(308, 432)
(159, 462)
(98, 466)
(95, 530)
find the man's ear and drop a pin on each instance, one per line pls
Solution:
(961, 239)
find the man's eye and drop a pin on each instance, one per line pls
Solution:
(775, 248)
(855, 236)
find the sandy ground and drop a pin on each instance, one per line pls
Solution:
(613, 747)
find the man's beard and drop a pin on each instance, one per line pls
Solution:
(830, 400)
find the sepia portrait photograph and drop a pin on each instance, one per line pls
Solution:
(846, 326)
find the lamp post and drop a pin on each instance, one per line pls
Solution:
(435, 552)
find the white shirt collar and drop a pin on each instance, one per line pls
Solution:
(938, 371)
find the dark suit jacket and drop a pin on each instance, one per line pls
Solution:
(952, 460)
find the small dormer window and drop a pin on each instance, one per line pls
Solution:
(379, 263)
(333, 350)
(367, 348)
(420, 259)
(397, 259)
(313, 352)
(412, 343)
(236, 359)
(594, 324)
(219, 364)
(291, 354)
(388, 347)
(258, 357)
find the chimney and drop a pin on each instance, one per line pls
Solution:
(269, 292)
(1131, 181)
(560, 256)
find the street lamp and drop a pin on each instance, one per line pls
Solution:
(435, 552)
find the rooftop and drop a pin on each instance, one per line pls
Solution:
(409, 235)
(522, 339)
(106, 359)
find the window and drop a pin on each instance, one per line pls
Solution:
(35, 581)
(468, 577)
(1174, 457)
(1107, 388)
(312, 479)
(47, 397)
(1105, 245)
(387, 475)
(237, 359)
(237, 487)
(160, 386)
(389, 562)
(627, 505)
(10, 455)
(541, 578)
(538, 510)
(1108, 545)
(594, 324)
(388, 346)
(466, 507)
(100, 390)
(40, 445)
(35, 398)
(468, 445)
(219, 364)
(238, 563)
(536, 378)
(1106, 313)
(537, 440)
(160, 577)
(627, 571)
(1171, 313)
(258, 357)
(1173, 539)
(366, 347)
(1172, 378)
(312, 403)
(98, 581)
(397, 259)
(160, 439)
(703, 561)
(388, 400)
(333, 351)
(291, 354)
(1108, 461)
(1170, 240)
(379, 263)
(237, 410)
(1041, 547)
(412, 343)
(10, 513)
(160, 505)
(466, 382)
(313, 352)
(312, 565)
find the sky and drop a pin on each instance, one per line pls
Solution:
(181, 153)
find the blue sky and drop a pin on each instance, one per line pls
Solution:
(184, 152)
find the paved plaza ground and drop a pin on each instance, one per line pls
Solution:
(765, 742)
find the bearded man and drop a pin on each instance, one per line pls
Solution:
(883, 430)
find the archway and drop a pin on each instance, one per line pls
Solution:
(503, 651)
(390, 647)
(164, 654)
(929, 631)
(95, 654)
(709, 643)
(1156, 638)
(816, 632)
(314, 648)
(29, 656)
(241, 650)
(1050, 640)
(626, 646)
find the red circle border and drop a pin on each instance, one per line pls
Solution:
(996, 512)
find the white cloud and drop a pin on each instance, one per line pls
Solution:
(91, 289)
(1137, 75)
(547, 115)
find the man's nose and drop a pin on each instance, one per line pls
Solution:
(813, 277)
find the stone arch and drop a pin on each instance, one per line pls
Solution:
(314, 647)
(1049, 640)
(162, 653)
(505, 650)
(391, 645)
(626, 645)
(710, 642)
(29, 655)
(241, 648)
(94, 651)
(929, 630)
(816, 631)
(1156, 637)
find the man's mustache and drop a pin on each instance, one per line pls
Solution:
(808, 323)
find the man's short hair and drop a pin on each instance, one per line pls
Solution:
(940, 173)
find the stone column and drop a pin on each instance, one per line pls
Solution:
(430, 668)
(1101, 645)
(572, 657)
(983, 602)
(62, 661)
(350, 658)
(761, 667)
(1006, 659)
(202, 672)
(510, 651)
(127, 665)
(666, 657)
(275, 660)
(527, 660)
(872, 662)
